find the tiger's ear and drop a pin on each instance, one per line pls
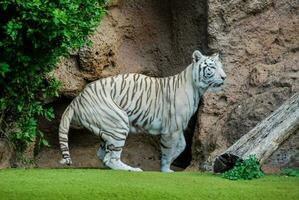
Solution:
(196, 56)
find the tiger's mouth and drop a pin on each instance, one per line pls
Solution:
(215, 85)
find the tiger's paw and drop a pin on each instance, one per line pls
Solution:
(65, 161)
(117, 164)
(136, 169)
(167, 170)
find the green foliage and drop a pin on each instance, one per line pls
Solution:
(34, 34)
(4, 67)
(290, 172)
(245, 169)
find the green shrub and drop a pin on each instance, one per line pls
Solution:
(34, 34)
(245, 169)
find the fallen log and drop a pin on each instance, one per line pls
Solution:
(264, 138)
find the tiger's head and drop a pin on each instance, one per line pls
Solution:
(207, 71)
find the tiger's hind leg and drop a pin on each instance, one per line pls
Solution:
(111, 145)
(101, 151)
(113, 150)
(100, 114)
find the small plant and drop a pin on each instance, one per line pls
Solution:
(245, 169)
(290, 172)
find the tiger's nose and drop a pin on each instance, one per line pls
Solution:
(223, 77)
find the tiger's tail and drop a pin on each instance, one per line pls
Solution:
(63, 135)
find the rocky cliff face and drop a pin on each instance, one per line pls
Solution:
(258, 41)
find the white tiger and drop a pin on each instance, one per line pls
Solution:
(114, 106)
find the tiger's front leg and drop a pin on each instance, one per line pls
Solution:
(171, 147)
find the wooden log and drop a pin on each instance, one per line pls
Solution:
(264, 138)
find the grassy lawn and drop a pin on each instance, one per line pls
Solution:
(61, 184)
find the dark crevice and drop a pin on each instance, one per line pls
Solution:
(184, 160)
(189, 30)
(189, 33)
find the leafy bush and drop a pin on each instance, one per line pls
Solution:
(245, 169)
(34, 34)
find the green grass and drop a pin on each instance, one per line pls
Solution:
(62, 184)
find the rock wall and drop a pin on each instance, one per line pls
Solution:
(259, 44)
(148, 37)
(258, 41)
(6, 154)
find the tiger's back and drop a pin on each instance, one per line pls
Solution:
(151, 103)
